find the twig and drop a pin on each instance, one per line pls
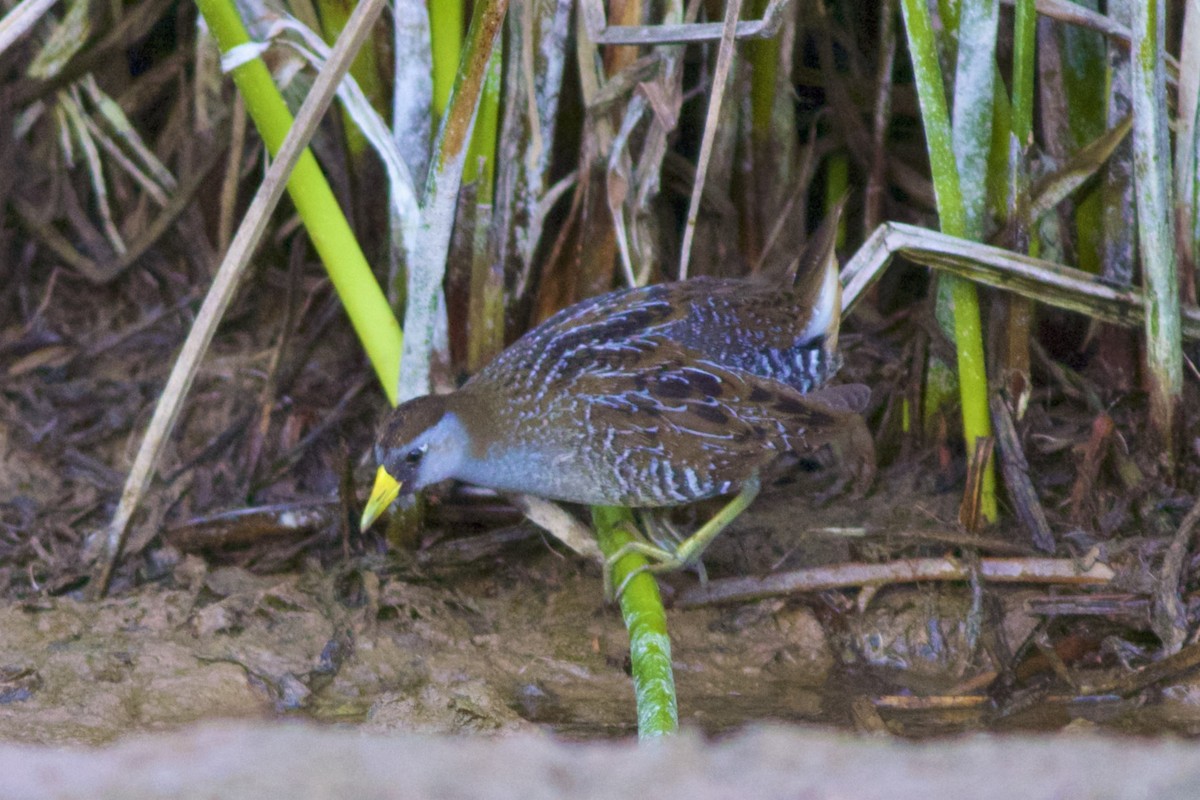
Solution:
(901, 702)
(558, 522)
(1169, 615)
(1170, 667)
(246, 526)
(1016, 477)
(851, 575)
(733, 9)
(1125, 608)
(233, 166)
(970, 510)
(601, 32)
(17, 22)
(1102, 431)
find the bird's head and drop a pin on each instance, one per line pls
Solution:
(421, 442)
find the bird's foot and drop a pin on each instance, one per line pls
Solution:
(665, 535)
(660, 560)
(686, 553)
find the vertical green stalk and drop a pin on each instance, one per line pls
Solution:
(1024, 50)
(767, 148)
(1020, 309)
(1084, 73)
(764, 65)
(1187, 143)
(968, 336)
(481, 162)
(837, 184)
(949, 12)
(365, 69)
(646, 621)
(446, 41)
(998, 194)
(485, 314)
(1120, 237)
(331, 235)
(1151, 167)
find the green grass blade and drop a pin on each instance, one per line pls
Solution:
(646, 621)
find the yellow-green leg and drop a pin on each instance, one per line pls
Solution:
(657, 529)
(689, 551)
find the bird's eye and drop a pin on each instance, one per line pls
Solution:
(414, 456)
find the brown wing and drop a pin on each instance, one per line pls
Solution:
(788, 334)
(588, 335)
(677, 428)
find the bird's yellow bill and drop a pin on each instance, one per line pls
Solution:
(382, 494)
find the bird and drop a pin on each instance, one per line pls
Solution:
(647, 397)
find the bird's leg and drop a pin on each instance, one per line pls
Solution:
(687, 552)
(658, 528)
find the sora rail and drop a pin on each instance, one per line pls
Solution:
(648, 397)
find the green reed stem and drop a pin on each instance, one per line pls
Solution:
(646, 621)
(365, 304)
(972, 373)
(446, 19)
(365, 68)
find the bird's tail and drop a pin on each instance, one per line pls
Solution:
(814, 273)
